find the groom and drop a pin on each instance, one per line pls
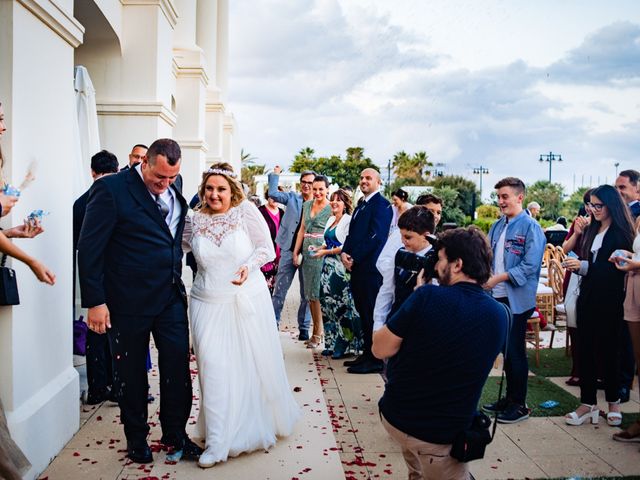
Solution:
(130, 262)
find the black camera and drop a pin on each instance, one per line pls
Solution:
(413, 263)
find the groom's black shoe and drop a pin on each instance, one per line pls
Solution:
(190, 451)
(139, 452)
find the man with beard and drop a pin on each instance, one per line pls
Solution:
(440, 360)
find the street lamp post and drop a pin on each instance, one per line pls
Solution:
(617, 164)
(550, 157)
(481, 171)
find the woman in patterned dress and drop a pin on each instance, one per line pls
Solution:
(343, 333)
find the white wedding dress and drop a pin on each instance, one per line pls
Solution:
(245, 397)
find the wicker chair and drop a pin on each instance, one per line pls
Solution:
(556, 280)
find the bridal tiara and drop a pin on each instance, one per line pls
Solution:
(220, 171)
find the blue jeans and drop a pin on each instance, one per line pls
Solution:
(284, 277)
(516, 365)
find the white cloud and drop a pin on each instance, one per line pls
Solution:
(331, 74)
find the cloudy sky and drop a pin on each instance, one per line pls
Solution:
(492, 83)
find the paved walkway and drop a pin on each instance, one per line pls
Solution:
(340, 436)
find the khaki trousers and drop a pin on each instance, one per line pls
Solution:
(427, 461)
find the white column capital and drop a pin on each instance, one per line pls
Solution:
(166, 6)
(61, 22)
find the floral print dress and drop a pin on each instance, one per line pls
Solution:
(342, 328)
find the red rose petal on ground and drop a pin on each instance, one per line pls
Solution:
(297, 389)
(76, 454)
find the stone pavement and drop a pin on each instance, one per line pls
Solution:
(340, 436)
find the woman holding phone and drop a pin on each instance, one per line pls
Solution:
(600, 302)
(571, 246)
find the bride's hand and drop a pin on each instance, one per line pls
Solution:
(242, 273)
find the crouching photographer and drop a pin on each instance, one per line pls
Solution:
(441, 344)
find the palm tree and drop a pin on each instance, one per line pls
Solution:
(306, 153)
(421, 161)
(246, 158)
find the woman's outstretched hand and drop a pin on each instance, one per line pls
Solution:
(242, 274)
(42, 272)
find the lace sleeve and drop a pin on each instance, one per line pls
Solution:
(187, 234)
(258, 232)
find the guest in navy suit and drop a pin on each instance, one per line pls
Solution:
(99, 372)
(368, 233)
(130, 263)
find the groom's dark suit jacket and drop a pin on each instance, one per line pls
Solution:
(127, 257)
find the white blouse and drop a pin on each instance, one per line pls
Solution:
(342, 229)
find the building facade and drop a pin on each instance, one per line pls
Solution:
(159, 69)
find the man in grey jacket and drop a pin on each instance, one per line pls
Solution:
(286, 239)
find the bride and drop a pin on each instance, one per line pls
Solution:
(245, 398)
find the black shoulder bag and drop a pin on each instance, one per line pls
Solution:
(470, 444)
(8, 284)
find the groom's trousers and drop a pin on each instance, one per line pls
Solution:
(129, 339)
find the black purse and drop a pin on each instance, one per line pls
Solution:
(470, 444)
(8, 284)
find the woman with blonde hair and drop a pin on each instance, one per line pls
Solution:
(245, 400)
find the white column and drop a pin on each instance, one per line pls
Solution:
(206, 38)
(134, 76)
(191, 84)
(184, 35)
(38, 384)
(222, 55)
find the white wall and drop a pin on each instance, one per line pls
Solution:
(38, 384)
(138, 68)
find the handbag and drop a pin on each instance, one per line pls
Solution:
(470, 444)
(80, 329)
(571, 299)
(8, 284)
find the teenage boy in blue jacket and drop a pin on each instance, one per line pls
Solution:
(518, 243)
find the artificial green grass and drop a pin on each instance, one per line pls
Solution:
(629, 418)
(539, 390)
(553, 362)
